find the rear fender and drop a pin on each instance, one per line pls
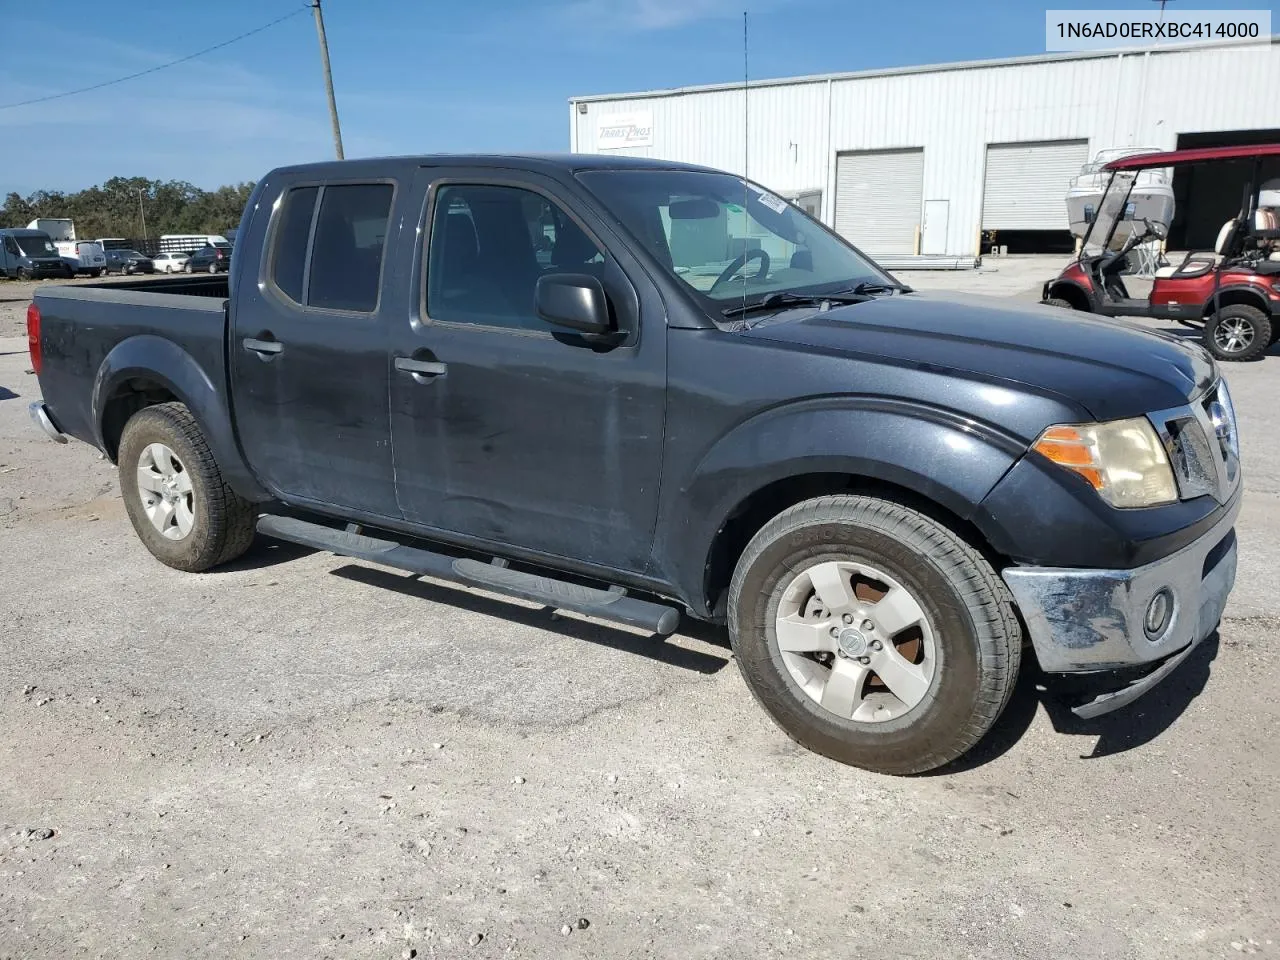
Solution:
(1252, 294)
(164, 363)
(938, 455)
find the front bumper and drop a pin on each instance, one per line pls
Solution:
(1084, 621)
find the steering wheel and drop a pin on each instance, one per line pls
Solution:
(1157, 229)
(739, 262)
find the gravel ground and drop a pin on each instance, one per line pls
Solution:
(301, 756)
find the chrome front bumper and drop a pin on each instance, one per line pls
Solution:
(1093, 620)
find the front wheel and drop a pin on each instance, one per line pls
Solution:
(177, 500)
(873, 634)
(24, 273)
(95, 274)
(1238, 332)
(1058, 302)
(213, 268)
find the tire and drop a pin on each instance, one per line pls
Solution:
(972, 630)
(213, 267)
(1058, 302)
(23, 273)
(1238, 332)
(186, 268)
(95, 274)
(223, 524)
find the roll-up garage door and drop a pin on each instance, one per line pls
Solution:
(878, 199)
(1026, 184)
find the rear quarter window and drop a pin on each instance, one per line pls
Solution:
(289, 245)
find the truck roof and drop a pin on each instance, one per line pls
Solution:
(537, 162)
(22, 232)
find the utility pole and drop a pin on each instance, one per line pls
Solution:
(143, 214)
(328, 78)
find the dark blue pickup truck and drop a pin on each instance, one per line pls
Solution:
(629, 389)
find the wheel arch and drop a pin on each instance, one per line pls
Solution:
(146, 370)
(920, 458)
(1071, 292)
(1243, 294)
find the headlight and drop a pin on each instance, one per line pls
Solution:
(1123, 460)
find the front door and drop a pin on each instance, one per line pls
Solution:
(308, 350)
(504, 429)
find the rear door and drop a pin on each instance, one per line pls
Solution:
(308, 349)
(505, 429)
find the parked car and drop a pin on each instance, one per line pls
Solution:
(170, 262)
(30, 254)
(84, 256)
(211, 258)
(880, 492)
(128, 261)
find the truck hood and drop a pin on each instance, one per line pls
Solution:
(1110, 368)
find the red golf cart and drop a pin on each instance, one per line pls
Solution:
(1232, 292)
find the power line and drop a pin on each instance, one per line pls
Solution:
(163, 66)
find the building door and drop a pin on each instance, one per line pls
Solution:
(878, 195)
(933, 240)
(1025, 187)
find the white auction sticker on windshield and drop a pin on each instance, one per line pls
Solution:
(776, 204)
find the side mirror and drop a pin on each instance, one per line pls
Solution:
(575, 301)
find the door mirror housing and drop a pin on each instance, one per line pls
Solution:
(575, 301)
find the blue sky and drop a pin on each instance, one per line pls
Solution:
(418, 76)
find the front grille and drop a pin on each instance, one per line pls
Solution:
(1201, 442)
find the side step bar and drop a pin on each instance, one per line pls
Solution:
(612, 604)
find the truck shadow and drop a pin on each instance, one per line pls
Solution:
(651, 646)
(7, 394)
(265, 552)
(1136, 725)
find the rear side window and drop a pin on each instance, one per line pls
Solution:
(346, 253)
(289, 260)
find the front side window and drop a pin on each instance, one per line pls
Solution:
(488, 247)
(346, 252)
(726, 239)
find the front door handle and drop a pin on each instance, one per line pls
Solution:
(262, 347)
(421, 370)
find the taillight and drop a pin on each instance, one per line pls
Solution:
(33, 338)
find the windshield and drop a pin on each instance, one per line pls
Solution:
(1113, 208)
(36, 246)
(698, 226)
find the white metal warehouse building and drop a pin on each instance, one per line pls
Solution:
(922, 160)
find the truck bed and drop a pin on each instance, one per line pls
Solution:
(82, 325)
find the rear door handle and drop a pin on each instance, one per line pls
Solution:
(421, 369)
(262, 346)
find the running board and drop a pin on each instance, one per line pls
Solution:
(612, 604)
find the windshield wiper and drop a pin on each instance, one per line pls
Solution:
(875, 286)
(781, 299)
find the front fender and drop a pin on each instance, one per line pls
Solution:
(944, 457)
(163, 362)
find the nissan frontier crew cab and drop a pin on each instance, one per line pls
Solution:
(632, 389)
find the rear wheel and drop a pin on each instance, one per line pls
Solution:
(213, 267)
(186, 268)
(1238, 332)
(872, 634)
(177, 500)
(95, 274)
(1058, 302)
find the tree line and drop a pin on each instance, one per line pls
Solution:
(113, 208)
